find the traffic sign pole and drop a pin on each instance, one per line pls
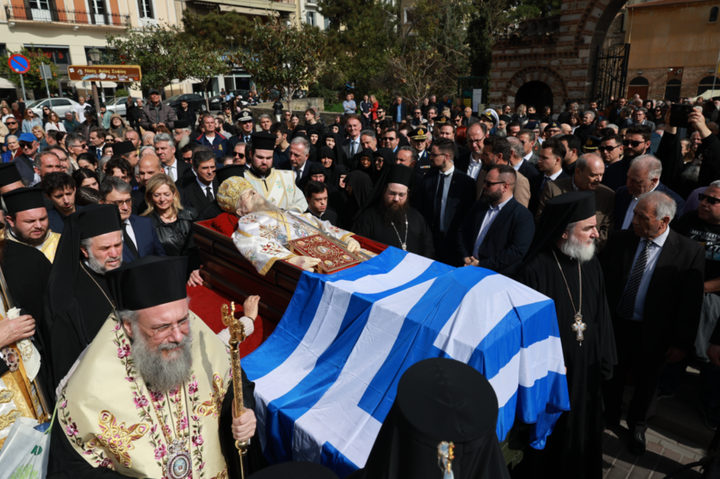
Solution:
(22, 84)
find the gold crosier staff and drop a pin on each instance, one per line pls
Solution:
(237, 336)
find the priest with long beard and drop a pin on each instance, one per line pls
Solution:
(561, 264)
(153, 394)
(389, 218)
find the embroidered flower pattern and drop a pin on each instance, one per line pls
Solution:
(71, 429)
(160, 452)
(140, 401)
(124, 351)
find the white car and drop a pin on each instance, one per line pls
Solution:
(118, 105)
(58, 105)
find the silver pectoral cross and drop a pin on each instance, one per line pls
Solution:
(579, 327)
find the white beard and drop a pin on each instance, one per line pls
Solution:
(574, 248)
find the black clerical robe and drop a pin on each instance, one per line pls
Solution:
(75, 325)
(574, 449)
(371, 224)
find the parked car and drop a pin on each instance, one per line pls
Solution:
(195, 102)
(58, 105)
(216, 102)
(118, 105)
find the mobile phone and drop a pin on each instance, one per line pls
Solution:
(679, 113)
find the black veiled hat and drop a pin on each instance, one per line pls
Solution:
(181, 124)
(295, 470)
(9, 174)
(96, 220)
(148, 282)
(23, 199)
(228, 171)
(123, 148)
(263, 141)
(317, 168)
(401, 174)
(438, 400)
(559, 212)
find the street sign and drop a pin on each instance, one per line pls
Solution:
(114, 73)
(45, 71)
(19, 64)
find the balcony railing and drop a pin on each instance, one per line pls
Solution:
(78, 17)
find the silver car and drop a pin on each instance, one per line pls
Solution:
(118, 105)
(58, 105)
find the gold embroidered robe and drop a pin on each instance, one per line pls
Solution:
(111, 419)
(48, 247)
(279, 189)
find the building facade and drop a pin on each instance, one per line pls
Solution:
(675, 46)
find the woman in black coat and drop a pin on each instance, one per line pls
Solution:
(173, 223)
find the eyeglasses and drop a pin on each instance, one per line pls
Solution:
(380, 112)
(608, 148)
(127, 202)
(389, 138)
(163, 332)
(710, 199)
(110, 139)
(240, 155)
(633, 143)
(82, 145)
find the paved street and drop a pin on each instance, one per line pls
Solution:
(677, 436)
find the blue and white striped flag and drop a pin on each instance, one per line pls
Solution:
(326, 378)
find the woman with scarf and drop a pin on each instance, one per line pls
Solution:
(117, 125)
(358, 187)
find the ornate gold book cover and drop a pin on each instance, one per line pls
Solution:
(332, 256)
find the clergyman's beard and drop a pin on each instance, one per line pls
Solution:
(395, 213)
(184, 141)
(161, 374)
(575, 248)
(98, 266)
(28, 240)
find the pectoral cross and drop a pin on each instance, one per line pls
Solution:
(446, 454)
(579, 327)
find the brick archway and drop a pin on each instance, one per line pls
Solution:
(536, 73)
(564, 45)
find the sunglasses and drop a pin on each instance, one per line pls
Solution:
(11, 123)
(710, 199)
(633, 143)
(380, 112)
(240, 155)
(608, 148)
(110, 139)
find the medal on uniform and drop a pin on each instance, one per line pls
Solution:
(178, 464)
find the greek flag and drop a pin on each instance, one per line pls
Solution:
(326, 378)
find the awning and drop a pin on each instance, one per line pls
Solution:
(88, 85)
(6, 84)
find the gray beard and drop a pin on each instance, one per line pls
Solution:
(575, 249)
(161, 374)
(94, 264)
(185, 140)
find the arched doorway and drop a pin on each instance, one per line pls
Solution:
(534, 93)
(672, 90)
(707, 84)
(638, 86)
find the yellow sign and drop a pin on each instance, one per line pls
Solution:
(115, 73)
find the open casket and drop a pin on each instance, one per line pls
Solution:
(227, 271)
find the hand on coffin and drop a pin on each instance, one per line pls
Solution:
(250, 306)
(304, 262)
(353, 245)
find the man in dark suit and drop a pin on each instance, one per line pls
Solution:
(351, 145)
(552, 153)
(316, 194)
(522, 166)
(643, 177)
(497, 231)
(96, 141)
(446, 195)
(636, 143)
(299, 154)
(179, 171)
(139, 236)
(654, 279)
(203, 190)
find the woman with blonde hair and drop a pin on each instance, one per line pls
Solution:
(173, 223)
(374, 107)
(54, 122)
(39, 133)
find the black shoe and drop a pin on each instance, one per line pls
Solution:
(636, 443)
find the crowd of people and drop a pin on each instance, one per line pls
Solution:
(612, 211)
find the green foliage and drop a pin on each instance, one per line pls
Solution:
(121, 92)
(229, 29)
(32, 77)
(166, 53)
(281, 56)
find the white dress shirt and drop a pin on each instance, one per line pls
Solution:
(474, 167)
(171, 171)
(131, 232)
(490, 216)
(654, 250)
(204, 187)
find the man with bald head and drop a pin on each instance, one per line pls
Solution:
(643, 177)
(587, 177)
(470, 162)
(654, 284)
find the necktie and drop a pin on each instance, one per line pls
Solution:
(98, 152)
(627, 304)
(297, 173)
(438, 201)
(247, 139)
(129, 242)
(169, 172)
(354, 148)
(545, 180)
(208, 193)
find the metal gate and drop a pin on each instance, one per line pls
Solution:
(610, 73)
